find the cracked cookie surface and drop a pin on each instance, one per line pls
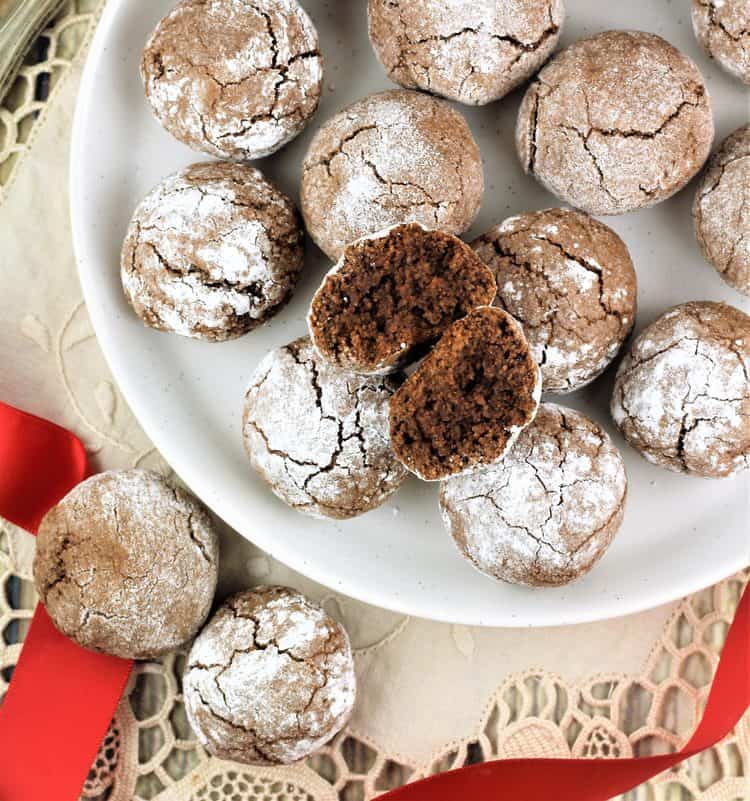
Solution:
(234, 78)
(392, 295)
(468, 400)
(721, 210)
(390, 158)
(212, 252)
(270, 678)
(615, 122)
(570, 282)
(473, 52)
(547, 512)
(682, 393)
(127, 565)
(318, 435)
(723, 29)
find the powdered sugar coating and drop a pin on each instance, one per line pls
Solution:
(615, 122)
(212, 252)
(547, 512)
(472, 52)
(392, 157)
(319, 435)
(270, 679)
(233, 78)
(570, 282)
(682, 393)
(721, 210)
(723, 29)
(127, 565)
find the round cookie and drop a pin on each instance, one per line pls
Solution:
(723, 29)
(721, 210)
(270, 679)
(547, 512)
(568, 279)
(318, 435)
(615, 122)
(234, 79)
(212, 252)
(682, 393)
(390, 158)
(470, 52)
(127, 565)
(391, 295)
(469, 399)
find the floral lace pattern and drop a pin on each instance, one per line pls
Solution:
(150, 752)
(48, 59)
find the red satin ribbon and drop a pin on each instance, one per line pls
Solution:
(62, 697)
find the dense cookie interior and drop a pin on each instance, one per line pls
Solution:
(462, 408)
(392, 296)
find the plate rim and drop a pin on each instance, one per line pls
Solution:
(633, 604)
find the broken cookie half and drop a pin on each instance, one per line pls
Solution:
(469, 399)
(393, 294)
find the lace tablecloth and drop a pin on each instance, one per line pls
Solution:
(432, 696)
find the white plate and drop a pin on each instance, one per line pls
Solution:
(680, 533)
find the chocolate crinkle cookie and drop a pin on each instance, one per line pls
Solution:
(390, 158)
(127, 565)
(270, 679)
(723, 29)
(473, 52)
(212, 252)
(318, 435)
(470, 398)
(615, 122)
(682, 394)
(233, 79)
(721, 210)
(393, 294)
(570, 282)
(547, 512)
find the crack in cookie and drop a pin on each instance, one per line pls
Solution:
(390, 158)
(232, 78)
(475, 56)
(269, 679)
(212, 252)
(615, 122)
(570, 282)
(682, 394)
(551, 533)
(319, 436)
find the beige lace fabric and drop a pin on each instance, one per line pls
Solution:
(432, 696)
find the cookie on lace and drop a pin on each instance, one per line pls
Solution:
(615, 122)
(390, 158)
(391, 295)
(127, 565)
(473, 52)
(570, 282)
(319, 436)
(270, 679)
(721, 210)
(233, 79)
(547, 512)
(682, 393)
(470, 398)
(212, 252)
(723, 29)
